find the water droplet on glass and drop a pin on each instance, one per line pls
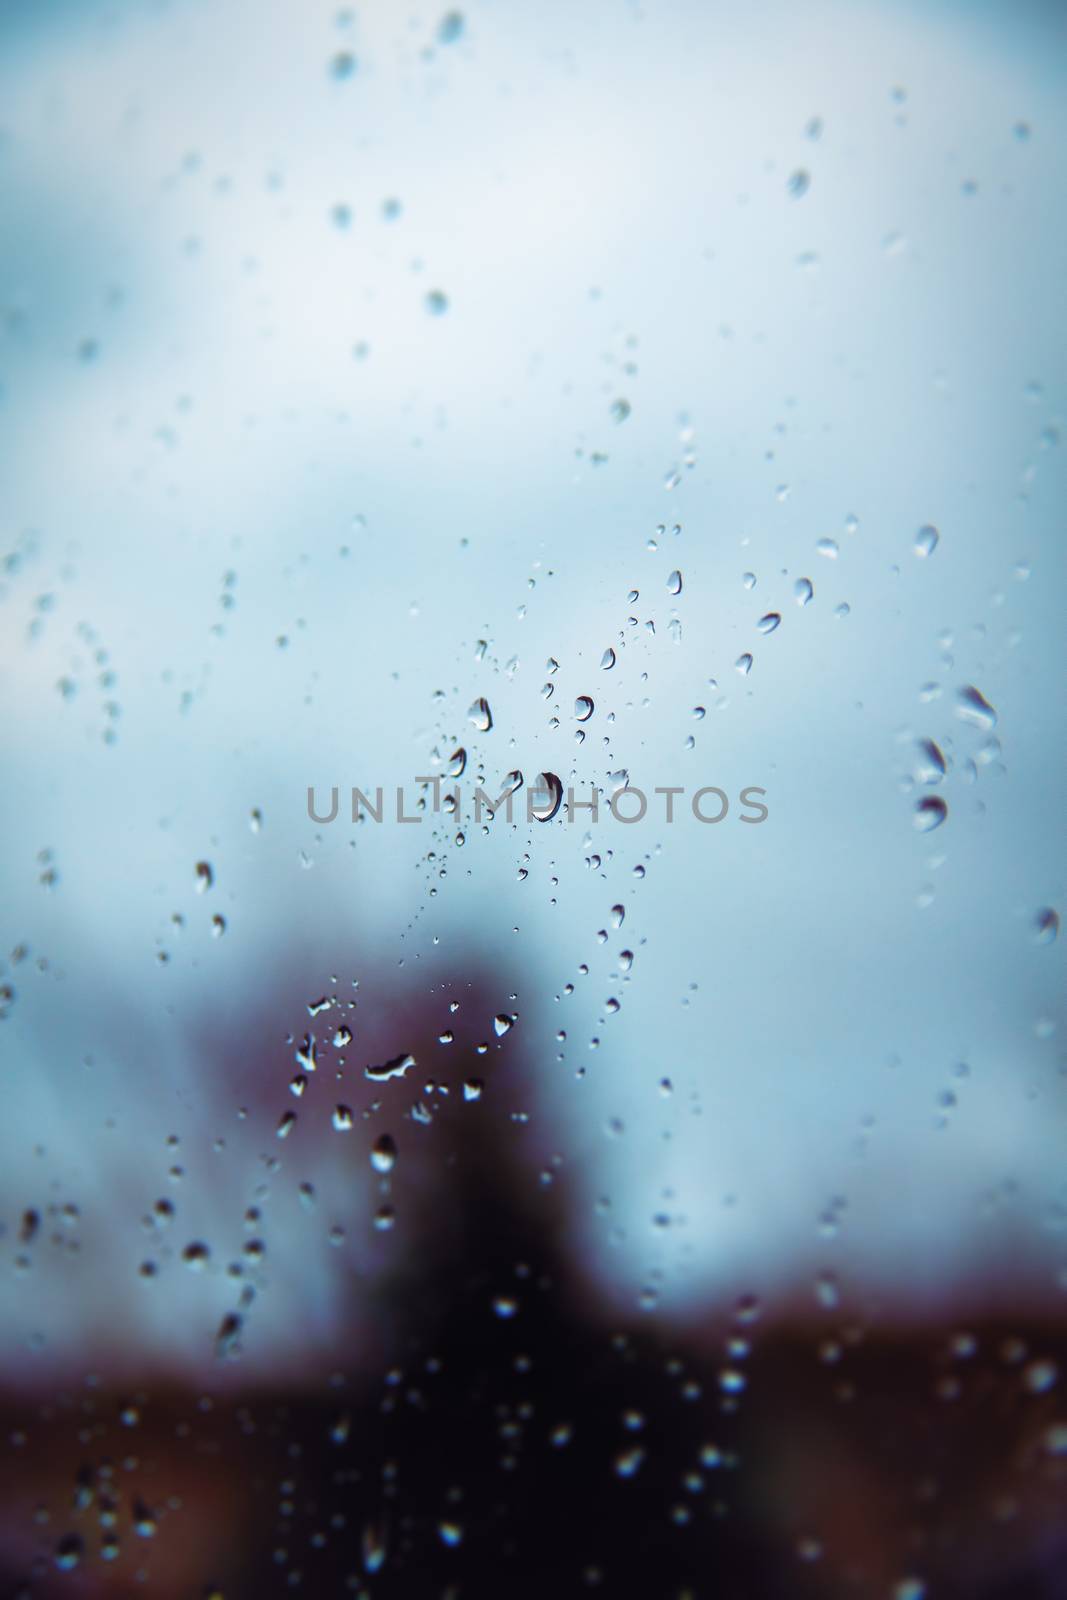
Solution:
(930, 813)
(769, 622)
(799, 184)
(674, 582)
(804, 591)
(204, 877)
(607, 660)
(383, 1154)
(457, 763)
(932, 765)
(744, 664)
(828, 548)
(583, 708)
(481, 716)
(395, 1068)
(547, 796)
(973, 707)
(926, 540)
(436, 303)
(1046, 925)
(620, 410)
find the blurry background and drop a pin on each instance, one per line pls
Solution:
(356, 365)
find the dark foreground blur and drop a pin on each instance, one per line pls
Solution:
(510, 1444)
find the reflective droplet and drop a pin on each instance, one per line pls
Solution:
(932, 765)
(204, 876)
(827, 548)
(383, 1154)
(930, 812)
(799, 184)
(744, 664)
(503, 1024)
(395, 1068)
(926, 540)
(607, 660)
(618, 916)
(342, 1118)
(674, 582)
(457, 763)
(480, 715)
(472, 1089)
(1046, 925)
(547, 796)
(583, 708)
(804, 591)
(973, 707)
(769, 621)
(620, 410)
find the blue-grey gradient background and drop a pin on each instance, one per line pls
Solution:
(206, 372)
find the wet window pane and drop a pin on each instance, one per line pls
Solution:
(531, 988)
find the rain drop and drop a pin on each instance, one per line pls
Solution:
(549, 797)
(480, 715)
(930, 813)
(973, 707)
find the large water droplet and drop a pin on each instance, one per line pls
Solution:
(804, 591)
(973, 707)
(930, 813)
(583, 708)
(769, 622)
(480, 715)
(547, 796)
(932, 764)
(395, 1068)
(674, 582)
